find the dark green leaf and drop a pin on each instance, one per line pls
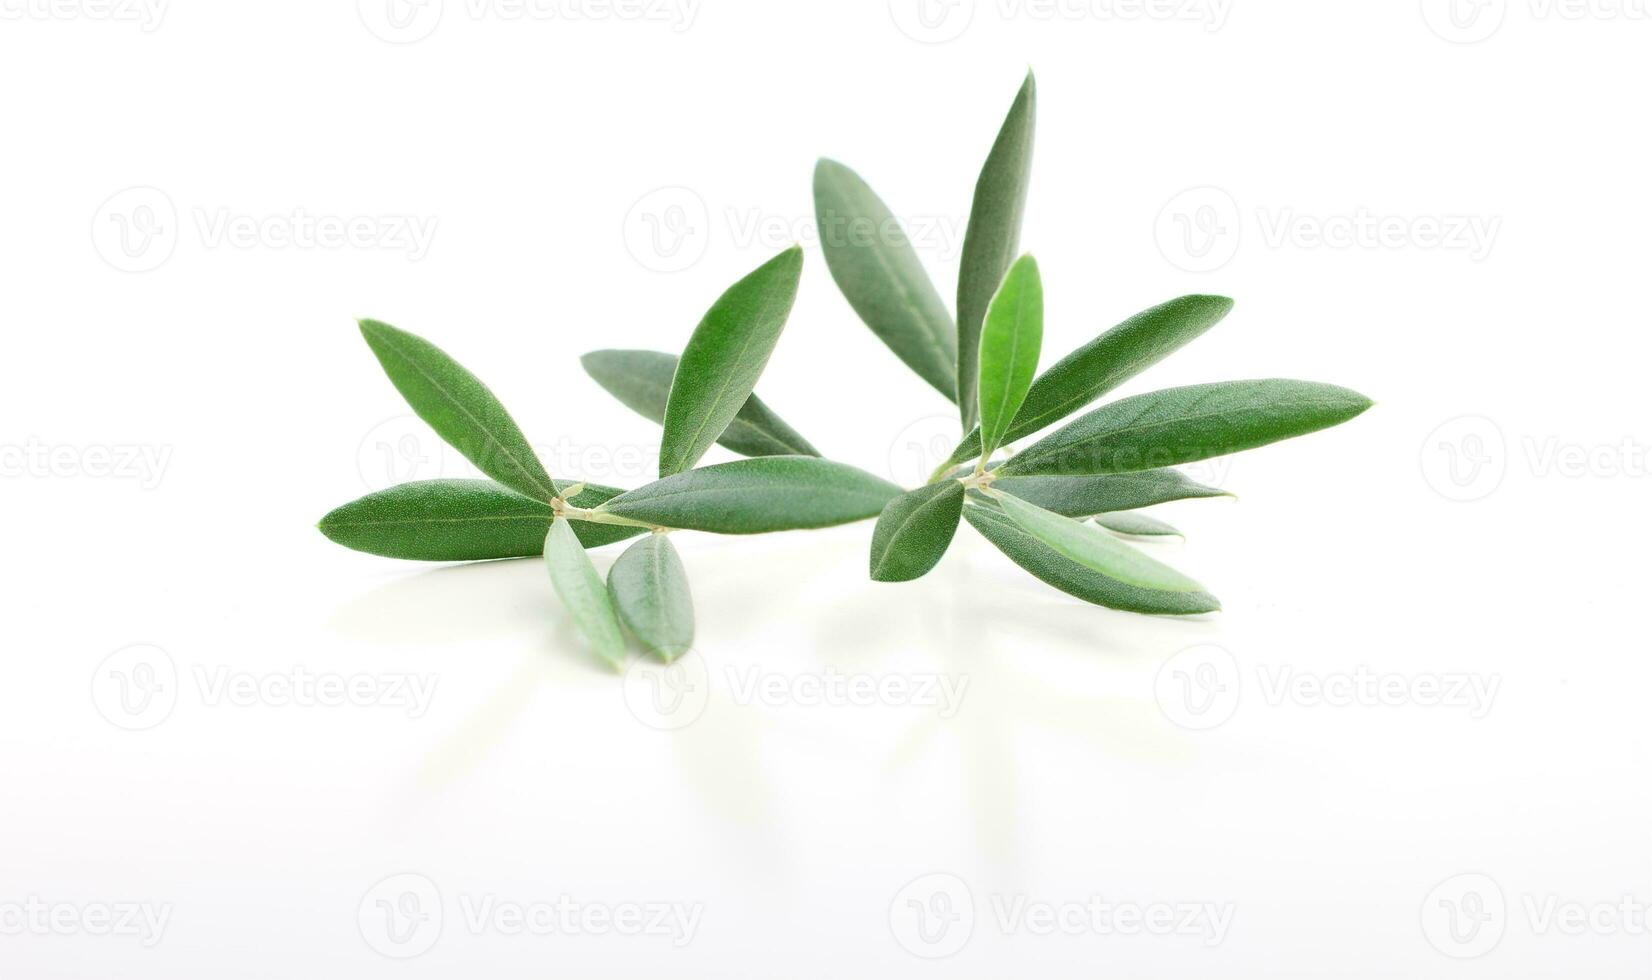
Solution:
(459, 407)
(1107, 362)
(459, 520)
(994, 236)
(1137, 525)
(641, 380)
(915, 530)
(725, 357)
(650, 589)
(1086, 496)
(1074, 579)
(1094, 548)
(880, 275)
(1184, 425)
(581, 589)
(755, 496)
(1010, 343)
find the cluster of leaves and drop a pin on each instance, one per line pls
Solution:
(1055, 508)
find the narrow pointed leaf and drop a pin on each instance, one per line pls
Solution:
(1010, 343)
(756, 496)
(1058, 571)
(459, 520)
(1107, 362)
(915, 530)
(641, 380)
(993, 239)
(725, 357)
(1086, 496)
(1184, 425)
(580, 587)
(1137, 525)
(880, 275)
(649, 588)
(459, 407)
(1095, 549)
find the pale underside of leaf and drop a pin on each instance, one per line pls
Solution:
(1094, 548)
(582, 591)
(1060, 572)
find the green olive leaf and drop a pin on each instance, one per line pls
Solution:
(1137, 525)
(459, 407)
(756, 496)
(649, 588)
(641, 380)
(1107, 362)
(1185, 425)
(915, 530)
(576, 581)
(1052, 568)
(725, 357)
(460, 520)
(1010, 344)
(880, 275)
(1086, 496)
(993, 238)
(1094, 548)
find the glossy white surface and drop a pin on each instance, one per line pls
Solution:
(1027, 754)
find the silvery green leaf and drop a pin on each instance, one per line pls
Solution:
(576, 581)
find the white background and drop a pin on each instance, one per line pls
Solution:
(265, 830)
